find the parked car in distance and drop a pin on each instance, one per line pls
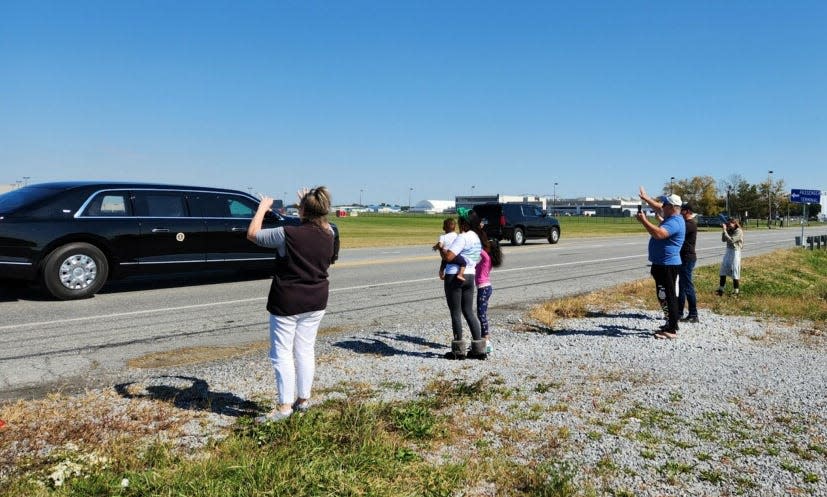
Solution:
(74, 236)
(518, 222)
(709, 221)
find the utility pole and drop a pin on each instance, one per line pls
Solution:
(769, 200)
(728, 193)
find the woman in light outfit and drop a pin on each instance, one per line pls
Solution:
(733, 235)
(298, 295)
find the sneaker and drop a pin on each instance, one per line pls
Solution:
(488, 347)
(301, 408)
(274, 415)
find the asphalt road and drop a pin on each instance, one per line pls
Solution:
(47, 344)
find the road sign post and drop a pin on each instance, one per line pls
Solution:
(806, 197)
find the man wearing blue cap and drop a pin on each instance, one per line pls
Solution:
(664, 253)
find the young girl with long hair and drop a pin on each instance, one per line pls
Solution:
(490, 256)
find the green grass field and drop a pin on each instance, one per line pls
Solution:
(385, 230)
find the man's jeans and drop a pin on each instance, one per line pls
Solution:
(686, 293)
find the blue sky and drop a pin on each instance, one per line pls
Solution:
(374, 99)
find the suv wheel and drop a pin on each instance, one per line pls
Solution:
(518, 238)
(75, 271)
(554, 235)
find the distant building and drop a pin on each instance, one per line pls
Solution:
(472, 200)
(384, 209)
(434, 206)
(591, 206)
(584, 206)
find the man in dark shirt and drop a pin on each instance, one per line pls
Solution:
(686, 290)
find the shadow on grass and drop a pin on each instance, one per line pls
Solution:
(186, 392)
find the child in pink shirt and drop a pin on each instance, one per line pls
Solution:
(490, 256)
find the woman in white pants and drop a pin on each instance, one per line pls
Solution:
(298, 295)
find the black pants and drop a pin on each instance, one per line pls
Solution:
(665, 279)
(460, 298)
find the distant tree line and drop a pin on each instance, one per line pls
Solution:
(737, 197)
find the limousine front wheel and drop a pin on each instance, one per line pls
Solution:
(75, 271)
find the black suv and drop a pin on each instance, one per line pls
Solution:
(73, 236)
(518, 222)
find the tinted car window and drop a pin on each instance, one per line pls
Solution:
(26, 196)
(160, 204)
(109, 204)
(224, 205)
(241, 207)
(533, 210)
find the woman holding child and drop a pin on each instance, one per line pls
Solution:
(459, 293)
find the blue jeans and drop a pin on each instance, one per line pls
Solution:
(686, 289)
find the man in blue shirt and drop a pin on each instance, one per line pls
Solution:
(664, 253)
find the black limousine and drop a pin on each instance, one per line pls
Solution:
(73, 236)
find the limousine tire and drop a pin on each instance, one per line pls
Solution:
(75, 271)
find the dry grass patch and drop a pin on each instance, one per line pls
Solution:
(99, 422)
(638, 294)
(193, 355)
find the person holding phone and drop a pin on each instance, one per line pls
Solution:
(665, 242)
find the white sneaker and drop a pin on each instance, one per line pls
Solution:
(275, 415)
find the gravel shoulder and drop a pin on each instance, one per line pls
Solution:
(734, 406)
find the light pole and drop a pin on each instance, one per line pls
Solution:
(26, 180)
(472, 189)
(554, 197)
(410, 190)
(728, 190)
(769, 200)
(671, 185)
(360, 197)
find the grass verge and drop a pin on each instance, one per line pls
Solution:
(788, 284)
(342, 447)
